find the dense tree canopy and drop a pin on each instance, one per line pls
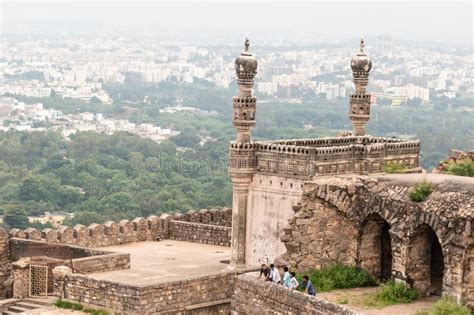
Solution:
(115, 177)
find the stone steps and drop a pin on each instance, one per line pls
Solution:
(29, 306)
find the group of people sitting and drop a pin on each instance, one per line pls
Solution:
(289, 280)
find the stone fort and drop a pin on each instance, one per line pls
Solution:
(305, 203)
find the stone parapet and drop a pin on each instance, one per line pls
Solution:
(208, 294)
(84, 260)
(254, 296)
(220, 217)
(200, 233)
(328, 156)
(208, 226)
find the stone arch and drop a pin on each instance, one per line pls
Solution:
(467, 278)
(375, 247)
(426, 263)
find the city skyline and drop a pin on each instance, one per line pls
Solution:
(266, 22)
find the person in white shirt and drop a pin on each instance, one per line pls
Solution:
(286, 277)
(274, 274)
(293, 282)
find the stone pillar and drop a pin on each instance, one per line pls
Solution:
(59, 276)
(21, 278)
(239, 222)
(242, 151)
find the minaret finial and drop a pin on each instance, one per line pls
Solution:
(247, 43)
(362, 44)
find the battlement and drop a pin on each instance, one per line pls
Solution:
(129, 231)
(333, 155)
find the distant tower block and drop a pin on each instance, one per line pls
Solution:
(359, 108)
(242, 152)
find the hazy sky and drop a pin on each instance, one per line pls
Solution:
(447, 21)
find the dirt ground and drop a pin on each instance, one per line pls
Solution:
(355, 298)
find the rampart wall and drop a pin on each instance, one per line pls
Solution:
(200, 233)
(79, 242)
(206, 224)
(207, 295)
(253, 296)
(348, 219)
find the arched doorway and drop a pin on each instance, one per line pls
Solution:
(426, 262)
(375, 247)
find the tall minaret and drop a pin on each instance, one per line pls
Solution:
(241, 151)
(359, 108)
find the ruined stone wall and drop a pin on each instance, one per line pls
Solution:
(338, 217)
(220, 217)
(130, 231)
(99, 235)
(84, 260)
(101, 263)
(203, 295)
(200, 233)
(5, 266)
(253, 296)
(317, 236)
(269, 208)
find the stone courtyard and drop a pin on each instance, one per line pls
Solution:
(165, 261)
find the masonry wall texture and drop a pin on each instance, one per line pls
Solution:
(5, 266)
(206, 294)
(200, 233)
(129, 231)
(65, 243)
(342, 219)
(253, 296)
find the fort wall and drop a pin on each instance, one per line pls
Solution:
(348, 219)
(203, 226)
(269, 207)
(80, 243)
(253, 296)
(84, 260)
(206, 295)
(200, 233)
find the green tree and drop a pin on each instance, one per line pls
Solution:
(33, 189)
(85, 218)
(120, 203)
(16, 217)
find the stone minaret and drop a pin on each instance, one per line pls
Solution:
(241, 151)
(359, 108)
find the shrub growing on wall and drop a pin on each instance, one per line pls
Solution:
(420, 191)
(391, 168)
(339, 276)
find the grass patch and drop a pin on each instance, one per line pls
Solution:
(78, 307)
(420, 191)
(342, 300)
(339, 276)
(69, 305)
(391, 293)
(462, 168)
(446, 306)
(391, 168)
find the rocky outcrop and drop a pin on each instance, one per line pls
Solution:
(455, 157)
